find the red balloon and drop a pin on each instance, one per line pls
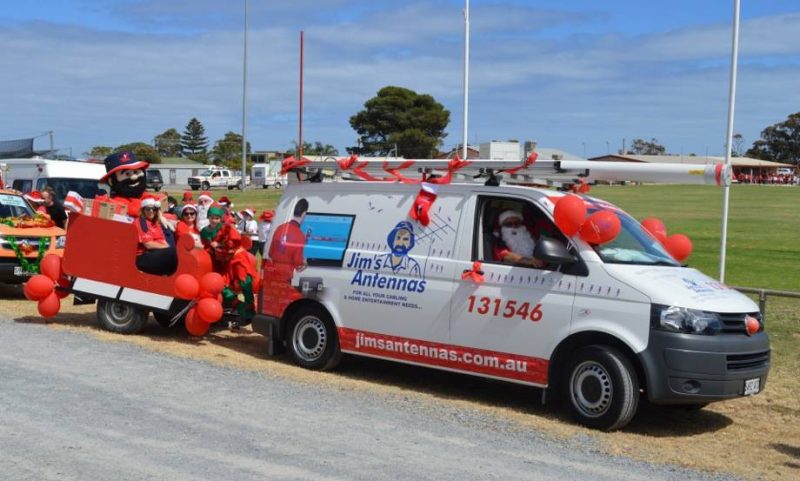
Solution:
(656, 228)
(679, 246)
(186, 287)
(50, 305)
(38, 287)
(51, 266)
(601, 227)
(569, 214)
(63, 282)
(194, 325)
(209, 310)
(211, 284)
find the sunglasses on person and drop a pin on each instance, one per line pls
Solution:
(190, 214)
(151, 209)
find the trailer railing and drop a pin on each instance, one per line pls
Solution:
(763, 293)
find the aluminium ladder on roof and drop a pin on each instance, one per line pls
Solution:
(529, 171)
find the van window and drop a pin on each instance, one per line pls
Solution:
(633, 245)
(87, 188)
(22, 185)
(522, 224)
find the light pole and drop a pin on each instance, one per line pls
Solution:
(608, 148)
(244, 106)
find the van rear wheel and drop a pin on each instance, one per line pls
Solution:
(121, 317)
(602, 388)
(313, 340)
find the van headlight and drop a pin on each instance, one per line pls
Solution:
(61, 242)
(681, 319)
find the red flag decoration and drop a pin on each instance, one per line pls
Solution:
(73, 202)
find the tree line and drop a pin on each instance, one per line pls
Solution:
(398, 121)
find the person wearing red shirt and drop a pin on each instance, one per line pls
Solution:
(288, 242)
(155, 253)
(188, 224)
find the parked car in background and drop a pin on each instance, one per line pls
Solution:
(215, 177)
(154, 179)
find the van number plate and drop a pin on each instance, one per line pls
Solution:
(752, 386)
(19, 271)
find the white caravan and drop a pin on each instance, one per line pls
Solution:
(268, 175)
(26, 175)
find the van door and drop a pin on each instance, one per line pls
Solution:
(509, 324)
(399, 276)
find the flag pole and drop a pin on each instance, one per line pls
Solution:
(300, 128)
(244, 105)
(729, 140)
(464, 153)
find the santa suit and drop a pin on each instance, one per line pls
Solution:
(286, 249)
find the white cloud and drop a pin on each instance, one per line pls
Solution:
(105, 87)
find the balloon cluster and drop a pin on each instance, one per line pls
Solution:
(677, 245)
(599, 228)
(42, 287)
(207, 294)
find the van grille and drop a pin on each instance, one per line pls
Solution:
(742, 362)
(734, 323)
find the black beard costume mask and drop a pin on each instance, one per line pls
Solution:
(128, 188)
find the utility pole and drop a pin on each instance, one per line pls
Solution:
(244, 106)
(50, 133)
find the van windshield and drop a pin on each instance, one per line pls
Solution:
(14, 206)
(633, 246)
(87, 188)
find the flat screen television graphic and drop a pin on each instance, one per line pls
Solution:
(327, 237)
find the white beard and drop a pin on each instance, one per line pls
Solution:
(519, 240)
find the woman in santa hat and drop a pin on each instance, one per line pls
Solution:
(155, 253)
(37, 201)
(188, 224)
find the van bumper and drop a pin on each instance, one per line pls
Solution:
(7, 276)
(690, 369)
(270, 327)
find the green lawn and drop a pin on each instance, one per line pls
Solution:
(763, 226)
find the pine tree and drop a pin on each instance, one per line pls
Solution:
(194, 143)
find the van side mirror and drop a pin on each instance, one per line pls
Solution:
(552, 251)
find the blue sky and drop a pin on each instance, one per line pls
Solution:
(572, 75)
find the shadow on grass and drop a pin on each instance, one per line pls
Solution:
(792, 451)
(657, 421)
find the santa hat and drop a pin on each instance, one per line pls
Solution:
(267, 215)
(34, 196)
(187, 196)
(150, 202)
(224, 201)
(249, 212)
(189, 206)
(205, 196)
(509, 214)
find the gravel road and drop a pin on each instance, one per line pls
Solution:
(76, 408)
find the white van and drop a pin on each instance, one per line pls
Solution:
(26, 175)
(268, 175)
(597, 325)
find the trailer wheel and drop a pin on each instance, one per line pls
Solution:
(205, 185)
(278, 185)
(121, 317)
(602, 388)
(313, 340)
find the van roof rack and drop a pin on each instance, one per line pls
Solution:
(562, 174)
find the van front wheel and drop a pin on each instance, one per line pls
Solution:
(602, 388)
(313, 340)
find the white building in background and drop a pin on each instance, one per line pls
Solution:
(513, 150)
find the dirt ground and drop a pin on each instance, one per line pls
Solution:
(755, 438)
